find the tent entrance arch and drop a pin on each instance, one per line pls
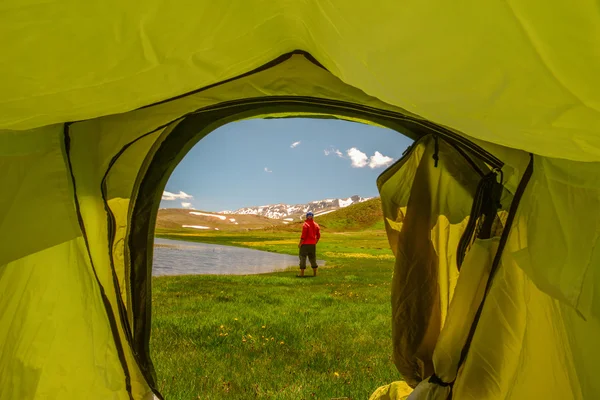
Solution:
(181, 135)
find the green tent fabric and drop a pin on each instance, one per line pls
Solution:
(99, 101)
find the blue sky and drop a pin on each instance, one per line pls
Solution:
(258, 162)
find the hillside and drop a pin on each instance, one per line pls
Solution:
(355, 217)
(359, 216)
(171, 219)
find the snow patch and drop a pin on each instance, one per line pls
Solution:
(195, 226)
(323, 213)
(345, 202)
(232, 219)
(288, 219)
(221, 217)
(282, 210)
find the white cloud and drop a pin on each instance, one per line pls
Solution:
(295, 144)
(267, 170)
(174, 196)
(186, 205)
(359, 159)
(331, 150)
(379, 160)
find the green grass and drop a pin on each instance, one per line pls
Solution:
(274, 336)
(371, 241)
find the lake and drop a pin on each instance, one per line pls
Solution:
(174, 257)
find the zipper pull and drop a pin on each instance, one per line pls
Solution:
(436, 157)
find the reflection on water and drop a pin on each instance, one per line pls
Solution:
(173, 257)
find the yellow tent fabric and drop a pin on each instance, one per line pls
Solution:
(394, 391)
(99, 101)
(426, 209)
(508, 73)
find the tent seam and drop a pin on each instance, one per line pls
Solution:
(107, 307)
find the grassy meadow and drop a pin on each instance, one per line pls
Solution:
(275, 336)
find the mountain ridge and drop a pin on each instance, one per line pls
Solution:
(292, 212)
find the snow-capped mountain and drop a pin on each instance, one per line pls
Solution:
(297, 211)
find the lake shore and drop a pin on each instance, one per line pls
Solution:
(179, 257)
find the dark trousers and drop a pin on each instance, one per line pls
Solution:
(310, 251)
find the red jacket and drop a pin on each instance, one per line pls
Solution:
(311, 233)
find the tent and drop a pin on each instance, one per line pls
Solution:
(494, 295)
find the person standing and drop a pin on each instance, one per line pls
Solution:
(311, 233)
